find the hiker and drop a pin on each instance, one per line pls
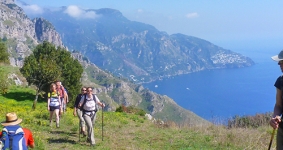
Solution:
(54, 104)
(88, 104)
(275, 121)
(63, 94)
(12, 124)
(78, 111)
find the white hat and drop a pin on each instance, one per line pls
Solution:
(278, 57)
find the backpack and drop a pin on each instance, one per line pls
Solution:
(13, 138)
(95, 109)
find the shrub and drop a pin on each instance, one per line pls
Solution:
(249, 121)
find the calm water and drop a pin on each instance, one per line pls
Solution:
(227, 92)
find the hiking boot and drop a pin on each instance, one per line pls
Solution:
(57, 125)
(50, 123)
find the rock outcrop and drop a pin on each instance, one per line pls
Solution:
(23, 34)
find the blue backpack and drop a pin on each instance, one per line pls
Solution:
(13, 138)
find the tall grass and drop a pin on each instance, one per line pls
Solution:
(123, 130)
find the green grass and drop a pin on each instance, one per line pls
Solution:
(126, 131)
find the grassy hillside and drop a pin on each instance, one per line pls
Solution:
(126, 131)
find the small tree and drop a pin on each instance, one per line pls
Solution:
(47, 64)
(4, 55)
(4, 86)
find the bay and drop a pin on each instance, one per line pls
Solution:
(225, 93)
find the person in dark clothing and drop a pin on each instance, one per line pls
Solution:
(275, 121)
(78, 111)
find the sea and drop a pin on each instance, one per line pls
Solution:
(225, 93)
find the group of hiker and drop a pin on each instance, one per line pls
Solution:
(85, 107)
(57, 100)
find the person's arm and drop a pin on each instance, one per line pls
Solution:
(29, 138)
(48, 101)
(275, 120)
(64, 94)
(67, 97)
(81, 101)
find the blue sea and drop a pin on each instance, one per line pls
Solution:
(225, 93)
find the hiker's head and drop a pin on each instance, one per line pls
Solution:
(89, 90)
(52, 87)
(279, 59)
(58, 84)
(83, 90)
(11, 119)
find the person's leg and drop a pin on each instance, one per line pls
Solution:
(90, 135)
(93, 118)
(50, 115)
(57, 117)
(82, 121)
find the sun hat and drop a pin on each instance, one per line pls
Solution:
(278, 57)
(11, 119)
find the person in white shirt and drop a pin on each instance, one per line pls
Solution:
(88, 104)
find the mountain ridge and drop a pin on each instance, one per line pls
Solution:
(139, 51)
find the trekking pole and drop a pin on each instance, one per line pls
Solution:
(271, 139)
(102, 122)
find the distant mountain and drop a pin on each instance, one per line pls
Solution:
(136, 50)
(21, 35)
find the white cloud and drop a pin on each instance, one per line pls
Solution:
(32, 9)
(76, 12)
(192, 15)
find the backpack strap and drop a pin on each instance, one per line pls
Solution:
(17, 131)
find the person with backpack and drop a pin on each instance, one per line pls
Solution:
(88, 104)
(54, 104)
(60, 88)
(21, 138)
(275, 121)
(78, 111)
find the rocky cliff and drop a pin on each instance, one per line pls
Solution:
(22, 34)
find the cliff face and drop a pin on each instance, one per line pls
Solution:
(22, 34)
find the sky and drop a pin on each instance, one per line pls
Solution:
(239, 25)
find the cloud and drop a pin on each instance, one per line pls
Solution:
(76, 12)
(32, 9)
(192, 15)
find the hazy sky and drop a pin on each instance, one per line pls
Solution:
(231, 24)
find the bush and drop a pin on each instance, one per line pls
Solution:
(131, 110)
(249, 121)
